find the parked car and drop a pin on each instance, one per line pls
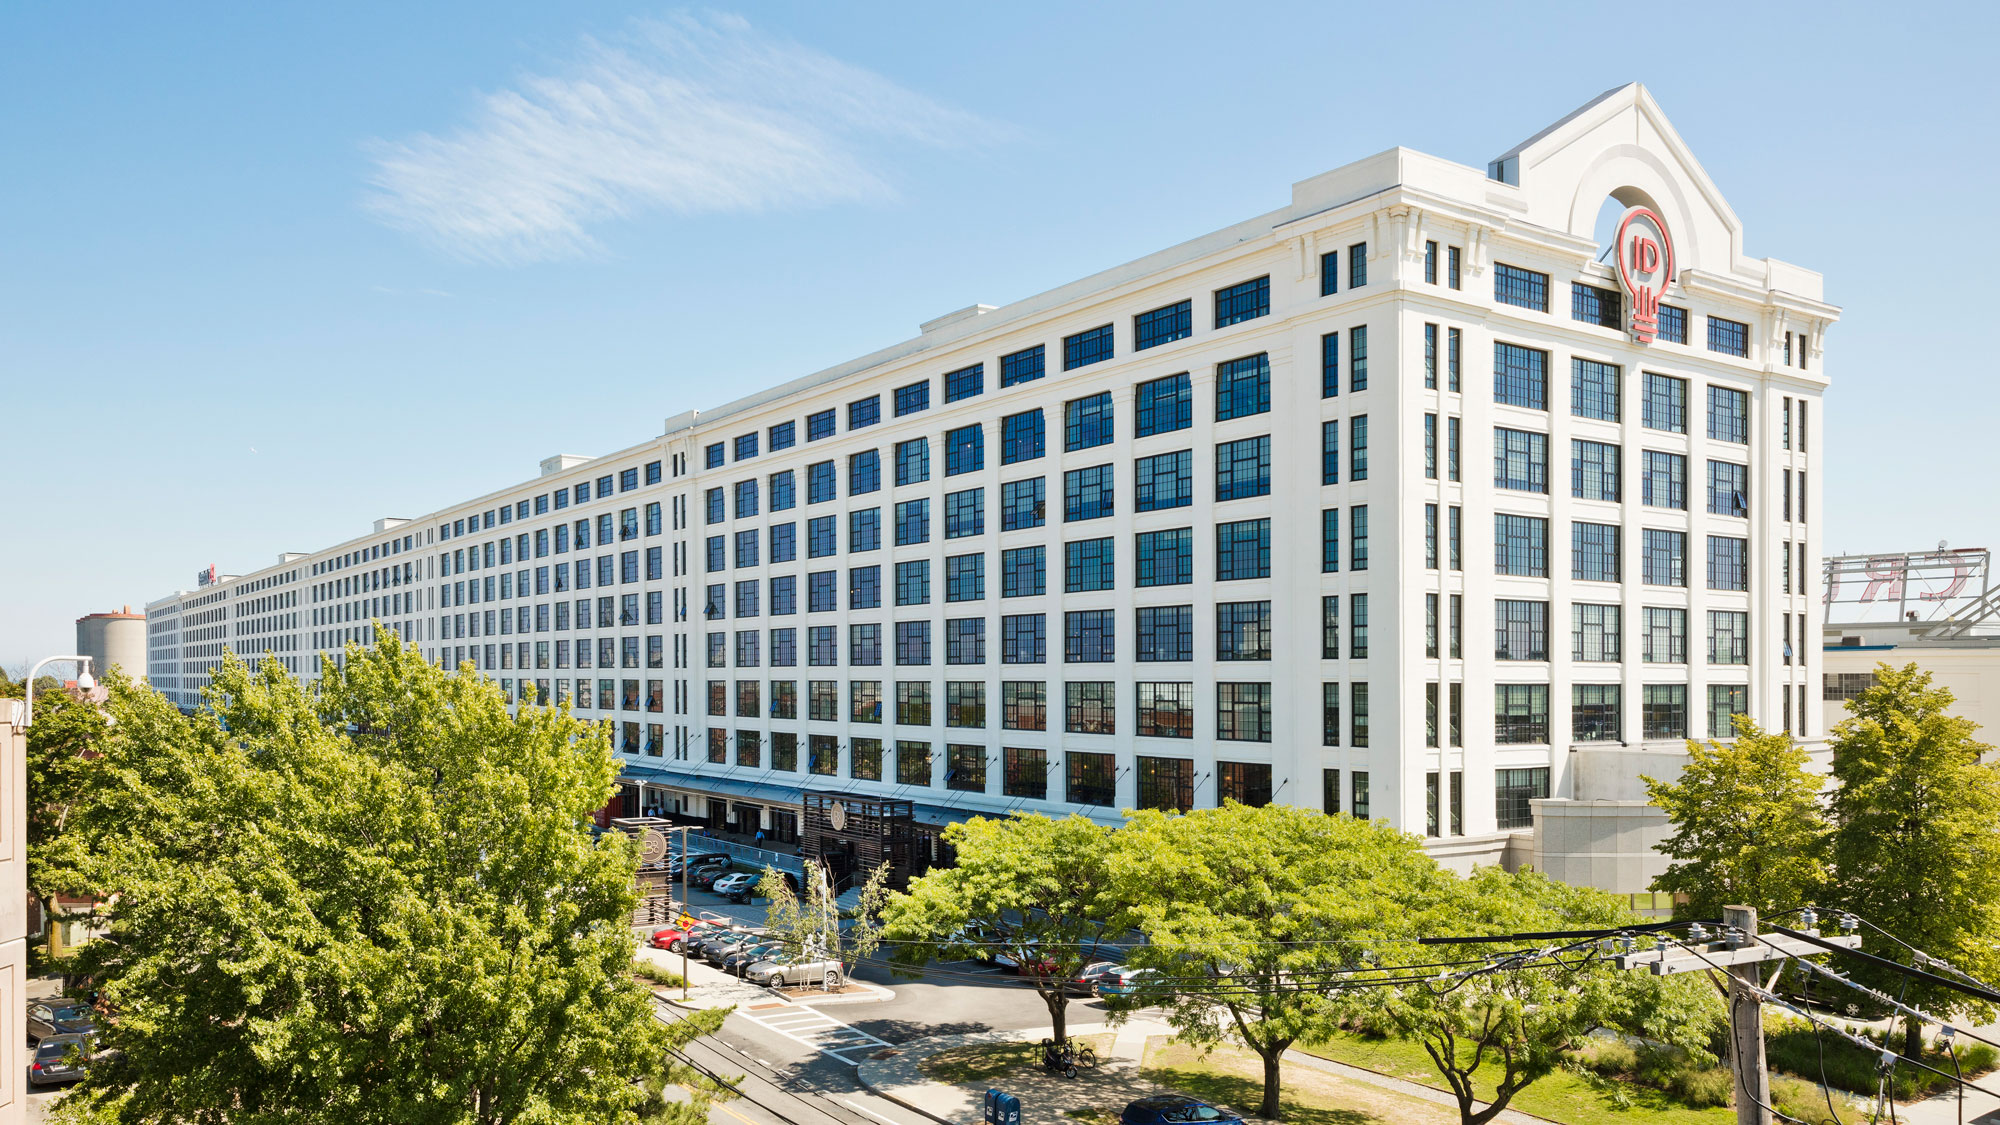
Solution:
(737, 886)
(55, 1063)
(716, 952)
(1084, 983)
(706, 876)
(671, 938)
(1175, 1109)
(46, 1019)
(1013, 955)
(737, 960)
(1129, 985)
(700, 946)
(787, 970)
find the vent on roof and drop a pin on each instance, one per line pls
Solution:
(950, 318)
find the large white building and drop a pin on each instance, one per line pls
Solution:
(1236, 520)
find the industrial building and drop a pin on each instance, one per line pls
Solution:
(1936, 609)
(114, 640)
(1214, 524)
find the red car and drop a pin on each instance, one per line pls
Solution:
(669, 939)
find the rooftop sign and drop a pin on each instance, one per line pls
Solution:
(1645, 256)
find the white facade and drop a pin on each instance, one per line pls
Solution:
(1419, 245)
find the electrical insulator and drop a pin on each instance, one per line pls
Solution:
(1697, 933)
(1808, 918)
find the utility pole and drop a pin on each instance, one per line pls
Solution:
(687, 902)
(1739, 951)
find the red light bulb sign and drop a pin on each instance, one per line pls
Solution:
(1645, 267)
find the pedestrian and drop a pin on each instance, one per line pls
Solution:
(760, 837)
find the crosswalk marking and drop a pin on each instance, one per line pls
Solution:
(817, 1030)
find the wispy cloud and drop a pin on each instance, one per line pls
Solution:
(692, 115)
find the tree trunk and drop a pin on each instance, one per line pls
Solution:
(1058, 1005)
(1270, 1110)
(1913, 1038)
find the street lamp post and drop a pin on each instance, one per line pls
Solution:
(83, 681)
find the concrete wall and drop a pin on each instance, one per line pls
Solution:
(14, 911)
(113, 640)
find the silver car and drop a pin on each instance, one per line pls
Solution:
(787, 970)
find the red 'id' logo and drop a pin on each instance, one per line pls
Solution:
(1645, 266)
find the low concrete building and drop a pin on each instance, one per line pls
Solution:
(1935, 609)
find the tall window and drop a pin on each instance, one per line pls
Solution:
(1090, 707)
(1521, 545)
(1023, 572)
(1725, 702)
(1521, 288)
(965, 513)
(1164, 481)
(1243, 550)
(1087, 422)
(1728, 489)
(1164, 405)
(1329, 365)
(1243, 387)
(1729, 636)
(1594, 712)
(1665, 404)
(1243, 468)
(1357, 265)
(1357, 358)
(1089, 636)
(1023, 504)
(1520, 630)
(1728, 563)
(1088, 565)
(1594, 552)
(1166, 784)
(1520, 376)
(1594, 389)
(1165, 558)
(1357, 537)
(1663, 557)
(1431, 262)
(1663, 711)
(1087, 493)
(1594, 633)
(1243, 630)
(1520, 714)
(1243, 714)
(1021, 437)
(1593, 470)
(1663, 480)
(1729, 415)
(1513, 790)
(1520, 460)
(1663, 635)
(1166, 710)
(1357, 447)
(1329, 273)
(964, 450)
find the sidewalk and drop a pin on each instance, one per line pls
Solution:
(709, 987)
(1050, 1100)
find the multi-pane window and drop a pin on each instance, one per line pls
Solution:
(1521, 288)
(1663, 635)
(913, 703)
(1022, 504)
(965, 640)
(822, 482)
(1520, 460)
(1088, 493)
(964, 450)
(1594, 552)
(1164, 405)
(913, 644)
(1594, 633)
(1090, 779)
(1021, 437)
(1520, 545)
(1165, 480)
(821, 425)
(746, 505)
(965, 513)
(1164, 558)
(913, 582)
(1594, 713)
(1662, 557)
(1088, 565)
(1514, 790)
(1665, 405)
(1431, 262)
(1089, 636)
(1329, 273)
(1087, 422)
(1357, 358)
(1730, 337)
(1329, 365)
(965, 767)
(1729, 489)
(866, 412)
(1090, 707)
(1243, 631)
(1729, 415)
(1164, 633)
(1520, 714)
(1166, 710)
(864, 645)
(965, 703)
(784, 491)
(1728, 637)
(1663, 711)
(1088, 347)
(1023, 638)
(1725, 702)
(1329, 452)
(1662, 480)
(913, 522)
(1357, 629)
(1728, 563)
(1243, 714)
(1243, 468)
(1357, 447)
(1594, 389)
(864, 472)
(1242, 550)
(1023, 366)
(1430, 356)
(823, 647)
(1520, 376)
(1357, 265)
(1163, 325)
(1357, 537)
(915, 397)
(913, 461)
(965, 577)
(1673, 324)
(1243, 387)
(864, 530)
(1451, 264)
(1246, 301)
(1023, 572)
(1329, 627)
(1025, 772)
(1592, 305)
(1430, 447)
(1520, 630)
(1593, 470)
(1166, 784)
(784, 435)
(1329, 541)
(965, 382)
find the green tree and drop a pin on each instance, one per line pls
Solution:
(1916, 834)
(64, 754)
(814, 920)
(375, 900)
(1248, 910)
(1493, 1032)
(1028, 886)
(1748, 826)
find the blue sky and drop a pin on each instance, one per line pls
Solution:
(245, 246)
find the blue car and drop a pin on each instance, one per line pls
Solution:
(1173, 1109)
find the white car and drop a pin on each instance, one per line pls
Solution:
(738, 887)
(787, 970)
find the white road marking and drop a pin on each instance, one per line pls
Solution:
(867, 1111)
(816, 1029)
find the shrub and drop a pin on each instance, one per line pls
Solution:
(656, 974)
(1802, 1101)
(1609, 1057)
